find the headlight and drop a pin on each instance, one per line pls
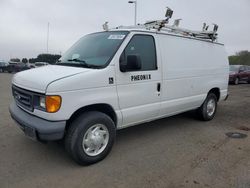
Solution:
(53, 103)
(50, 103)
(42, 102)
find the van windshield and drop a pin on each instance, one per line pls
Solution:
(94, 50)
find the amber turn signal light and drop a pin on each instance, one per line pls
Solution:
(53, 103)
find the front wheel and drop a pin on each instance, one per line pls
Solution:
(208, 109)
(90, 137)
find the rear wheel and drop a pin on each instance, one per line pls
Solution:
(208, 109)
(90, 137)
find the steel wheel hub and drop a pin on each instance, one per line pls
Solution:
(95, 139)
(211, 107)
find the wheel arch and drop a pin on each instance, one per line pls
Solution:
(100, 107)
(215, 91)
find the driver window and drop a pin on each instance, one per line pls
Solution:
(144, 47)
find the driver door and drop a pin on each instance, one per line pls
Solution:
(139, 90)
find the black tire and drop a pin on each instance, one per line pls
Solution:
(236, 81)
(76, 132)
(202, 111)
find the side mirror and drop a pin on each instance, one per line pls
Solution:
(133, 63)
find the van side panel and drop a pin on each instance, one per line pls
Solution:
(190, 69)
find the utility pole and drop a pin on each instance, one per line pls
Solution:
(48, 39)
(134, 2)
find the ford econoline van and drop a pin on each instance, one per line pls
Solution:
(119, 78)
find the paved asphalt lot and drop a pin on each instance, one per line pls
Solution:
(179, 151)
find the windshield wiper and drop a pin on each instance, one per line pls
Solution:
(81, 63)
(77, 60)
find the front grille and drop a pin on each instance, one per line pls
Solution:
(23, 98)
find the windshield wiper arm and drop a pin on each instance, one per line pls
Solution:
(77, 60)
(83, 63)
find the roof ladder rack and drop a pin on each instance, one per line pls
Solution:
(161, 25)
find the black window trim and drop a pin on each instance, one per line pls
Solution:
(156, 61)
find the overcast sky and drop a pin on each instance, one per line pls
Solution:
(23, 23)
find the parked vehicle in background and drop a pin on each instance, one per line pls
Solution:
(32, 66)
(17, 67)
(40, 64)
(3, 66)
(239, 73)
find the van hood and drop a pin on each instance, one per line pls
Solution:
(38, 79)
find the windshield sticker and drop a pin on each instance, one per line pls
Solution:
(116, 37)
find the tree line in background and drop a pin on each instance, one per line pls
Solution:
(240, 58)
(49, 58)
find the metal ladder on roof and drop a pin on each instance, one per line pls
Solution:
(161, 26)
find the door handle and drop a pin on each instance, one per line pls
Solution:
(158, 87)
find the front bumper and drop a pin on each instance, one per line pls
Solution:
(35, 127)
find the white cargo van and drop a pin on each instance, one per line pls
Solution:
(118, 78)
